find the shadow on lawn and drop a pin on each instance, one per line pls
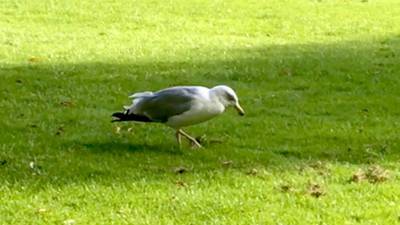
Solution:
(304, 73)
(118, 147)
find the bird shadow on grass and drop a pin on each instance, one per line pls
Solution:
(118, 147)
(312, 89)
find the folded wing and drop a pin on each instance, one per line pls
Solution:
(160, 106)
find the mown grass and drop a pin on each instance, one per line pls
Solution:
(319, 81)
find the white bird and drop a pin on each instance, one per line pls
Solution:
(179, 107)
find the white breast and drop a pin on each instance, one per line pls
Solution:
(200, 111)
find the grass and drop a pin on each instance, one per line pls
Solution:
(319, 81)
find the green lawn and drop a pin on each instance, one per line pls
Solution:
(319, 80)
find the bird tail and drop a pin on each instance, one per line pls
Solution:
(121, 116)
(130, 113)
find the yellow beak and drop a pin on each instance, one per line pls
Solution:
(239, 109)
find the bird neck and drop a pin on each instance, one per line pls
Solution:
(216, 95)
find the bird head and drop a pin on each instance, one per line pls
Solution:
(227, 97)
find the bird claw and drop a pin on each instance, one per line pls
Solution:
(196, 145)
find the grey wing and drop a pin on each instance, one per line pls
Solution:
(167, 103)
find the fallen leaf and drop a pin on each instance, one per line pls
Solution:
(374, 174)
(60, 131)
(358, 176)
(252, 172)
(377, 174)
(315, 190)
(35, 168)
(317, 165)
(286, 188)
(180, 183)
(69, 222)
(227, 163)
(180, 170)
(42, 210)
(67, 103)
(34, 59)
(285, 72)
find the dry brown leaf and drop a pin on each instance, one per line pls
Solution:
(317, 165)
(286, 72)
(60, 131)
(34, 59)
(180, 183)
(252, 172)
(358, 176)
(227, 163)
(377, 174)
(315, 190)
(286, 188)
(67, 103)
(374, 174)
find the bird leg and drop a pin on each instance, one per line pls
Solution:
(190, 138)
(178, 137)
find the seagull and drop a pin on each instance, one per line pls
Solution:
(179, 107)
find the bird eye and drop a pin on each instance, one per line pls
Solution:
(230, 97)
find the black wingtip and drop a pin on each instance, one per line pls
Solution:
(123, 116)
(115, 120)
(117, 117)
(118, 114)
